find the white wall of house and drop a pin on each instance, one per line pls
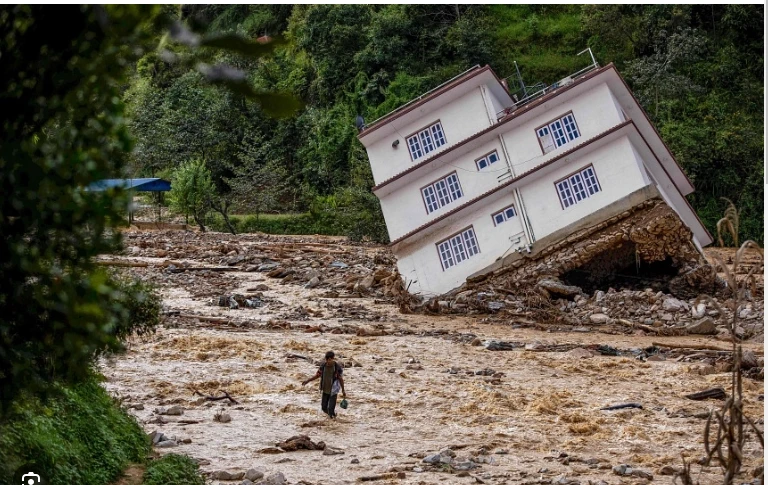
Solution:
(460, 119)
(408, 199)
(618, 173)
(419, 261)
(594, 111)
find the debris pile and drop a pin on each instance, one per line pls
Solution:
(202, 261)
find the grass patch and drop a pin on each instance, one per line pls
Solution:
(173, 469)
(79, 436)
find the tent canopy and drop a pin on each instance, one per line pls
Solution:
(139, 185)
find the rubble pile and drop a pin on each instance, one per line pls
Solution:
(578, 282)
(335, 265)
(650, 233)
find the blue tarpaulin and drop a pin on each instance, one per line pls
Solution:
(139, 185)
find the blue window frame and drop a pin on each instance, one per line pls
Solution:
(442, 192)
(426, 141)
(487, 160)
(558, 132)
(504, 215)
(577, 187)
(458, 248)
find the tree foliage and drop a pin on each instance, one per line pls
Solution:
(696, 69)
(192, 190)
(62, 71)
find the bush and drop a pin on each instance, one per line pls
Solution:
(80, 436)
(324, 224)
(173, 470)
(143, 304)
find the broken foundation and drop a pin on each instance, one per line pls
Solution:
(639, 243)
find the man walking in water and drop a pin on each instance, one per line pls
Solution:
(331, 382)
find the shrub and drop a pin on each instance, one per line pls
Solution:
(173, 469)
(143, 304)
(80, 436)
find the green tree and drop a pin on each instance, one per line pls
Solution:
(61, 77)
(192, 190)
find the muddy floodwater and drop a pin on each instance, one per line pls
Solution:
(416, 385)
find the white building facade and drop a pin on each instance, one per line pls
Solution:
(465, 176)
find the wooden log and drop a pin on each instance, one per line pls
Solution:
(216, 398)
(119, 263)
(714, 393)
(623, 406)
(645, 328)
(217, 269)
(692, 346)
(203, 318)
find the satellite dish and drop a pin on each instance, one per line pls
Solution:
(360, 123)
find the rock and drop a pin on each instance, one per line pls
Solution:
(275, 479)
(642, 474)
(339, 264)
(748, 359)
(313, 282)
(495, 306)
(432, 459)
(599, 295)
(563, 480)
(253, 474)
(366, 283)
(656, 358)
(667, 317)
(167, 444)
(705, 326)
(476, 341)
(599, 318)
(622, 470)
(699, 310)
(222, 418)
(253, 303)
(579, 353)
(671, 304)
(448, 452)
(465, 465)
(246, 482)
(558, 287)
(156, 437)
(187, 441)
(137, 407)
(328, 451)
(667, 470)
(758, 471)
(171, 411)
(225, 475)
(445, 459)
(267, 267)
(355, 461)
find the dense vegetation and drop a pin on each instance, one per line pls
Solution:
(697, 69)
(62, 73)
(81, 436)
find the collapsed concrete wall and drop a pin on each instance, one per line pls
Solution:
(644, 246)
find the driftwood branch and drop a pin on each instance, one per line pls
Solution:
(216, 398)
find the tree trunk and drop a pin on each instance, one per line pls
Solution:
(199, 220)
(223, 209)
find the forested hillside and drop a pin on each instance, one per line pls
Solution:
(697, 70)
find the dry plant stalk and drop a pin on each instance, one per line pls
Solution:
(728, 425)
(730, 222)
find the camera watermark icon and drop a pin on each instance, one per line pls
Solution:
(31, 479)
(29, 474)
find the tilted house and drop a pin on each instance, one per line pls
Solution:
(468, 178)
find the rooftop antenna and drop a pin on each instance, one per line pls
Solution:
(520, 78)
(589, 49)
